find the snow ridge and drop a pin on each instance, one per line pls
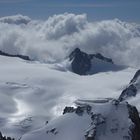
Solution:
(98, 121)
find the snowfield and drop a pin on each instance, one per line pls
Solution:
(37, 90)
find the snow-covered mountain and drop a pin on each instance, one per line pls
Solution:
(83, 63)
(34, 93)
(132, 89)
(131, 92)
(92, 120)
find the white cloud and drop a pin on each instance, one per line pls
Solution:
(53, 39)
(58, 26)
(16, 19)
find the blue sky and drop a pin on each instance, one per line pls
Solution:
(127, 10)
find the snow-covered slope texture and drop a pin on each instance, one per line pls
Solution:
(92, 121)
(83, 63)
(53, 39)
(131, 92)
(32, 93)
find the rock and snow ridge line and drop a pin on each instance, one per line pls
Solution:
(80, 62)
(99, 117)
(132, 88)
(15, 55)
(88, 64)
(44, 71)
(92, 121)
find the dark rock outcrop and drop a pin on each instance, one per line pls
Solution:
(97, 119)
(53, 131)
(134, 116)
(100, 56)
(24, 57)
(68, 110)
(5, 138)
(79, 110)
(81, 62)
(130, 91)
(134, 79)
(134, 130)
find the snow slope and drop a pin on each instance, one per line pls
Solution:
(33, 89)
(103, 121)
(131, 92)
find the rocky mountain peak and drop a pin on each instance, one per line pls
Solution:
(136, 76)
(81, 62)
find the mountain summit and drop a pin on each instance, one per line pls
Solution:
(83, 63)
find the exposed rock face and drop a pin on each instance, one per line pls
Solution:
(79, 110)
(137, 74)
(97, 119)
(132, 88)
(68, 110)
(134, 116)
(128, 92)
(82, 62)
(100, 56)
(18, 55)
(5, 138)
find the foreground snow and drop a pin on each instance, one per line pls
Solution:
(105, 121)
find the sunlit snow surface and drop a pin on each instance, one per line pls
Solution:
(114, 123)
(31, 89)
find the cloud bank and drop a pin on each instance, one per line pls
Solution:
(16, 19)
(53, 39)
